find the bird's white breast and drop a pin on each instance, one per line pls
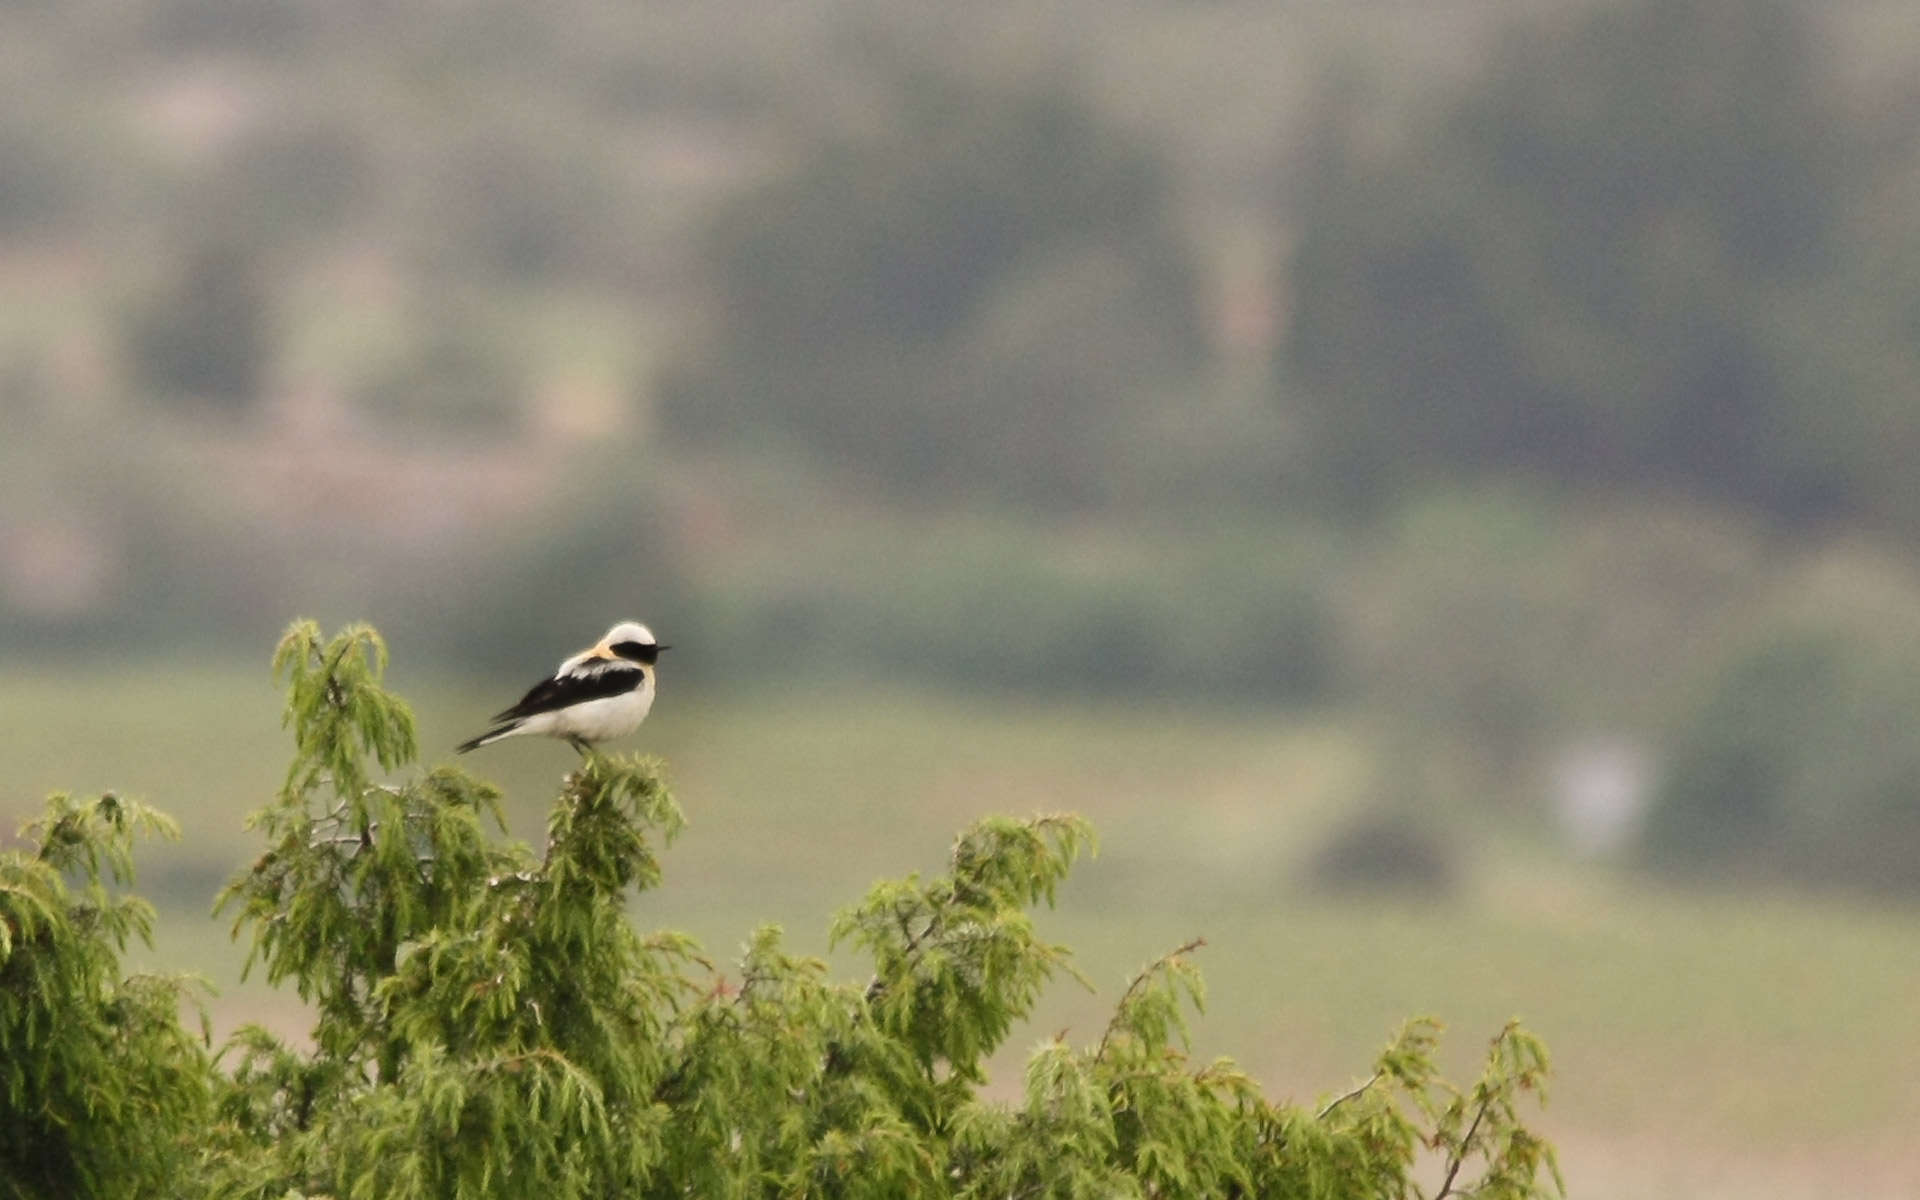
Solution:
(598, 720)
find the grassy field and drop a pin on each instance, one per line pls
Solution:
(1705, 1044)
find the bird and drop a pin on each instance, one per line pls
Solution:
(603, 692)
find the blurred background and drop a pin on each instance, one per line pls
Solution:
(1432, 482)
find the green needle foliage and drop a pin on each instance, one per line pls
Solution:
(101, 1088)
(489, 1023)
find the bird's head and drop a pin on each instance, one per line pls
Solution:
(632, 641)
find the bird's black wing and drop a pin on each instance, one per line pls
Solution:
(594, 682)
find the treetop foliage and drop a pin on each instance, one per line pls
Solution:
(488, 1021)
(101, 1087)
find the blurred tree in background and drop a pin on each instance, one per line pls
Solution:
(457, 377)
(1795, 758)
(517, 196)
(1241, 612)
(976, 299)
(1589, 266)
(202, 339)
(44, 180)
(299, 179)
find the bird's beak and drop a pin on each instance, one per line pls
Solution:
(657, 649)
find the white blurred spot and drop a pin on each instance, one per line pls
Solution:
(1600, 792)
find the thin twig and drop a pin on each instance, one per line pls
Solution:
(1139, 981)
(1458, 1158)
(911, 944)
(1355, 1094)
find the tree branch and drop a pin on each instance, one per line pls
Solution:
(1458, 1158)
(1355, 1094)
(1139, 981)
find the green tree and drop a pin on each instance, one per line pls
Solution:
(488, 1022)
(101, 1088)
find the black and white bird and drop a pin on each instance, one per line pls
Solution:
(603, 692)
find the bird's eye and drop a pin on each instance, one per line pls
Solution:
(644, 652)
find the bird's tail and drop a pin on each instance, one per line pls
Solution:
(491, 735)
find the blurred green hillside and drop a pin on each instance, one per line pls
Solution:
(1513, 376)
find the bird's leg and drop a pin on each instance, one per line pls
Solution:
(579, 743)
